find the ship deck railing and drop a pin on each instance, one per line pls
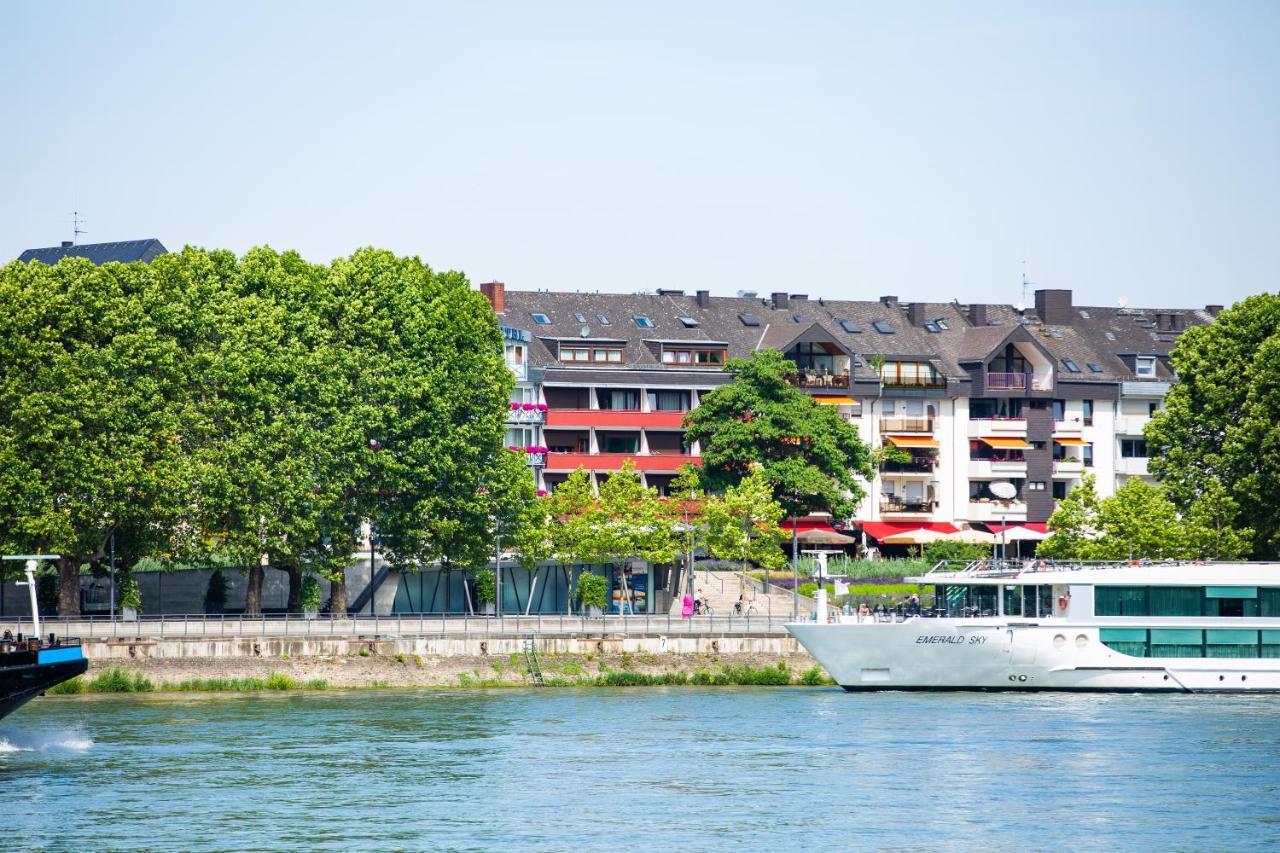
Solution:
(1004, 568)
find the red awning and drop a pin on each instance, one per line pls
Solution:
(885, 529)
(1037, 526)
(811, 523)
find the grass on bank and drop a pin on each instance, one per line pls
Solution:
(120, 680)
(728, 675)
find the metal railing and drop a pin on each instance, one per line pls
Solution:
(1007, 568)
(298, 626)
(906, 425)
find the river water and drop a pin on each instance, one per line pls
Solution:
(647, 768)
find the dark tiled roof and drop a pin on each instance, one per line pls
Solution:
(125, 251)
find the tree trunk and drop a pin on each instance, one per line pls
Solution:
(69, 586)
(295, 588)
(338, 595)
(253, 592)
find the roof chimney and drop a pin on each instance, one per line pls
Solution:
(662, 291)
(1213, 310)
(496, 293)
(978, 315)
(1054, 307)
(779, 299)
(704, 298)
(67, 244)
(799, 297)
(889, 300)
(915, 314)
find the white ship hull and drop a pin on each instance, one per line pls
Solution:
(1006, 654)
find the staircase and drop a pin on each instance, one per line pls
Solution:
(721, 589)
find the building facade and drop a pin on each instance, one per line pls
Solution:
(975, 394)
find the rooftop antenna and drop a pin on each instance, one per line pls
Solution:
(1022, 303)
(76, 222)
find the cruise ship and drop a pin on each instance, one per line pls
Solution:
(1173, 627)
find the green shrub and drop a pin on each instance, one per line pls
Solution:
(486, 587)
(215, 596)
(120, 680)
(69, 687)
(813, 676)
(966, 551)
(309, 594)
(280, 681)
(591, 590)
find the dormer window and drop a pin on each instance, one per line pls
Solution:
(1145, 365)
(693, 357)
(541, 319)
(590, 354)
(643, 322)
(580, 318)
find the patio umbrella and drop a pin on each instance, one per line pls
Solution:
(972, 536)
(1024, 534)
(923, 536)
(823, 537)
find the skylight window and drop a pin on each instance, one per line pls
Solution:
(749, 319)
(941, 324)
(1084, 314)
(882, 327)
(643, 322)
(800, 318)
(1110, 336)
(689, 322)
(581, 318)
(1070, 365)
(541, 319)
(1094, 367)
(850, 327)
(932, 327)
(604, 321)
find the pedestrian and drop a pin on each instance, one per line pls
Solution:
(913, 605)
(686, 607)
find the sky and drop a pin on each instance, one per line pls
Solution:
(932, 151)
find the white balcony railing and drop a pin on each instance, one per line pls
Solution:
(997, 426)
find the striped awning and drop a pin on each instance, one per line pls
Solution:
(835, 401)
(912, 441)
(1006, 442)
(1070, 441)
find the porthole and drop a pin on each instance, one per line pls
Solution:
(1243, 677)
(1022, 678)
(1013, 678)
(1081, 641)
(1059, 641)
(1222, 678)
(1166, 677)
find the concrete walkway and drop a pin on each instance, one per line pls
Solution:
(722, 590)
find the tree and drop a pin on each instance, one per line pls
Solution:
(1074, 523)
(1219, 420)
(744, 525)
(92, 395)
(1211, 527)
(1137, 522)
(809, 455)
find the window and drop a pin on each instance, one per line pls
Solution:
(1110, 335)
(749, 319)
(618, 399)
(1059, 410)
(932, 327)
(850, 327)
(882, 327)
(596, 354)
(1087, 455)
(1145, 365)
(910, 374)
(1084, 315)
(997, 409)
(698, 357)
(668, 401)
(1093, 366)
(1070, 365)
(604, 321)
(1152, 408)
(1087, 406)
(581, 318)
(614, 443)
(643, 322)
(1035, 486)
(1059, 490)
(1133, 448)
(689, 322)
(941, 324)
(1126, 641)
(541, 319)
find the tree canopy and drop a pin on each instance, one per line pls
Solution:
(809, 455)
(1218, 430)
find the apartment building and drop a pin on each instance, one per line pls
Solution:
(975, 393)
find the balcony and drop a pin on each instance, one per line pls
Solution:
(1132, 466)
(1017, 382)
(986, 469)
(937, 382)
(922, 465)
(1068, 467)
(924, 425)
(620, 418)
(893, 505)
(1072, 427)
(815, 379)
(986, 509)
(653, 463)
(997, 426)
(527, 413)
(1131, 424)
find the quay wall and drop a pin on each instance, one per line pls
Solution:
(443, 661)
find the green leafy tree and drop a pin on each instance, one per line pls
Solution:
(1137, 522)
(1211, 527)
(1074, 524)
(744, 525)
(1219, 420)
(92, 394)
(810, 456)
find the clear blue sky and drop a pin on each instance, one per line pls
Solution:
(840, 149)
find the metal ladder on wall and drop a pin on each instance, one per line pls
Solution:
(531, 660)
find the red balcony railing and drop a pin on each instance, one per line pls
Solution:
(613, 418)
(652, 463)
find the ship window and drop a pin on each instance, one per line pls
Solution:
(1177, 643)
(1176, 601)
(1120, 601)
(1230, 643)
(1270, 644)
(1126, 641)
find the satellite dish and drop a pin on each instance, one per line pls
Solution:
(1003, 490)
(585, 331)
(1123, 303)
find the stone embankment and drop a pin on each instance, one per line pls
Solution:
(438, 661)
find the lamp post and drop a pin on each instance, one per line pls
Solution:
(32, 560)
